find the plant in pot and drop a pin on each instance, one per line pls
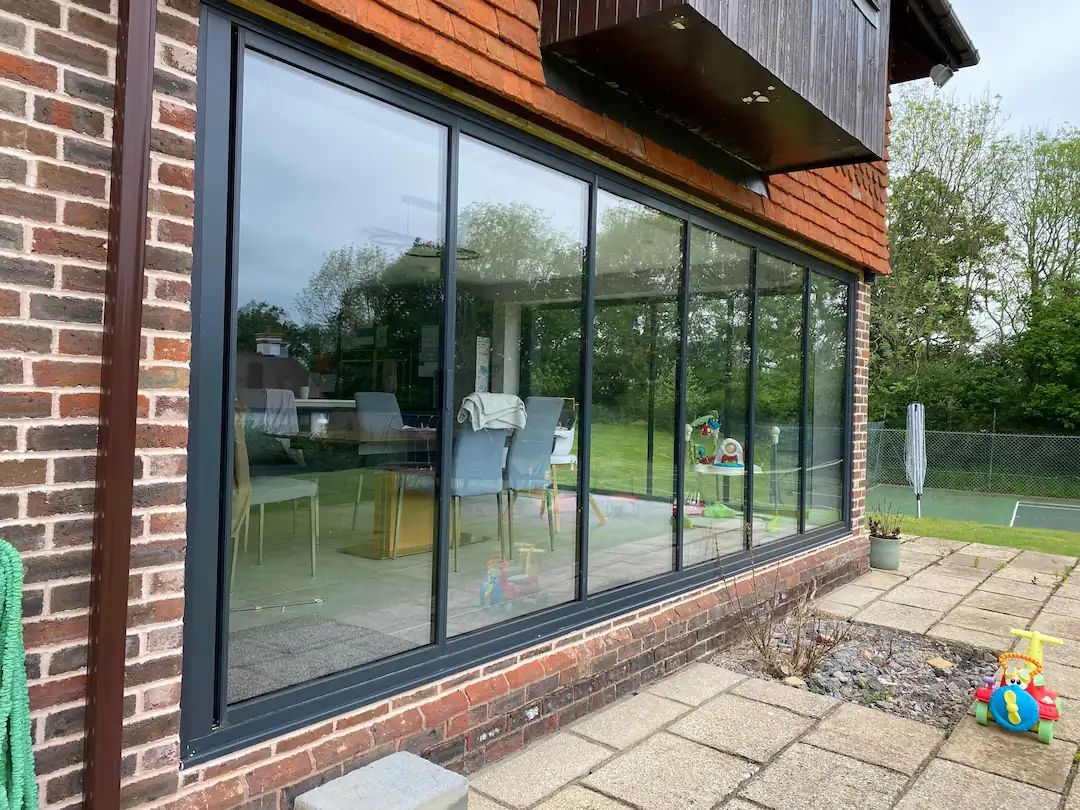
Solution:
(884, 525)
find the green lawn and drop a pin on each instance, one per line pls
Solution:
(1048, 540)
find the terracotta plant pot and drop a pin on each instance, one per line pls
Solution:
(885, 553)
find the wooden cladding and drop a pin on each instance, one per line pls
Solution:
(705, 64)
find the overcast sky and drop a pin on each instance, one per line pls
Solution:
(1030, 57)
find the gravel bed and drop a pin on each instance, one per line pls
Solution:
(887, 670)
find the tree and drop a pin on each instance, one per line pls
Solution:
(1050, 350)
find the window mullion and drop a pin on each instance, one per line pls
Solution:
(584, 434)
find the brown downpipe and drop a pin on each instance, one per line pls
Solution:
(132, 110)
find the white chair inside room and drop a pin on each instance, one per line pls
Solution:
(562, 455)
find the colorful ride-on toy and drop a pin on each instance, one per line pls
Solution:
(1016, 697)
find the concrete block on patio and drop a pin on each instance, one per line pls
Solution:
(899, 617)
(880, 580)
(1060, 626)
(752, 730)
(401, 781)
(800, 701)
(835, 609)
(578, 798)
(877, 738)
(937, 579)
(854, 595)
(539, 770)
(1012, 755)
(696, 683)
(1046, 563)
(629, 721)
(1002, 603)
(988, 552)
(985, 621)
(1001, 583)
(807, 778)
(1060, 606)
(911, 596)
(996, 643)
(948, 784)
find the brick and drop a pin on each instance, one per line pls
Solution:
(398, 726)
(175, 205)
(174, 115)
(10, 303)
(17, 135)
(279, 773)
(169, 143)
(172, 174)
(178, 87)
(27, 205)
(80, 342)
(13, 34)
(170, 407)
(62, 437)
(66, 308)
(13, 169)
(92, 218)
(174, 349)
(9, 436)
(174, 27)
(60, 502)
(27, 71)
(25, 405)
(177, 232)
(166, 523)
(12, 101)
(68, 51)
(85, 153)
(25, 536)
(11, 371)
(179, 58)
(156, 669)
(29, 339)
(343, 749)
(163, 610)
(74, 469)
(149, 495)
(162, 697)
(167, 582)
(145, 791)
(153, 436)
(42, 11)
(87, 88)
(71, 181)
(66, 115)
(82, 279)
(166, 319)
(167, 260)
(22, 473)
(92, 27)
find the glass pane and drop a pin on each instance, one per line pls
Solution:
(517, 382)
(339, 290)
(717, 391)
(827, 448)
(636, 352)
(778, 410)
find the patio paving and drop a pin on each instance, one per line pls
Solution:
(706, 738)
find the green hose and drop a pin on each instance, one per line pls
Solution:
(18, 790)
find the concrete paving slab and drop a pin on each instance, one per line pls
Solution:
(478, 801)
(922, 598)
(876, 737)
(800, 701)
(965, 560)
(1025, 575)
(696, 683)
(827, 608)
(1061, 678)
(1070, 589)
(881, 580)
(1002, 603)
(989, 552)
(1060, 606)
(936, 580)
(806, 778)
(854, 595)
(739, 804)
(899, 617)
(539, 770)
(1046, 563)
(908, 568)
(920, 557)
(985, 621)
(667, 772)
(1011, 587)
(1069, 655)
(1060, 626)
(747, 728)
(629, 721)
(578, 798)
(934, 545)
(975, 573)
(995, 643)
(1015, 756)
(951, 785)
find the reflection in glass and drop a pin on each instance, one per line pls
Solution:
(827, 401)
(338, 294)
(717, 390)
(635, 355)
(778, 409)
(517, 356)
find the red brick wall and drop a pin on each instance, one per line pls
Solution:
(469, 720)
(57, 63)
(495, 45)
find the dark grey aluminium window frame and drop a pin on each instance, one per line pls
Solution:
(209, 727)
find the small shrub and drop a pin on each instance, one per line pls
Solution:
(885, 522)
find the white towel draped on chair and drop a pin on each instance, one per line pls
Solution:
(280, 418)
(493, 411)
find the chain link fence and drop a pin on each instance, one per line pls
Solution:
(1006, 463)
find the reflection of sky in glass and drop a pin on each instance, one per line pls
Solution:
(324, 167)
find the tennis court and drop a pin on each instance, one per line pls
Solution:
(995, 510)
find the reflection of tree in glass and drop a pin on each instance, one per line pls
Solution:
(259, 318)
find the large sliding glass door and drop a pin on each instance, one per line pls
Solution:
(459, 391)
